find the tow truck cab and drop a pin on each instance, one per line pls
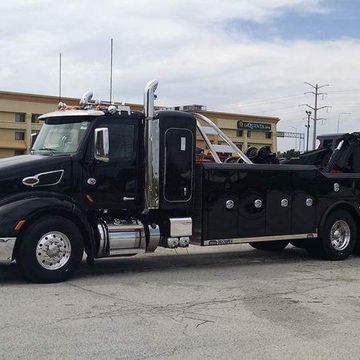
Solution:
(117, 182)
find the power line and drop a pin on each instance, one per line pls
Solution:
(316, 108)
(344, 91)
(270, 100)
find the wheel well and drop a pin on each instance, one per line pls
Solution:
(86, 235)
(342, 206)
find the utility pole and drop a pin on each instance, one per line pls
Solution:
(315, 108)
(308, 113)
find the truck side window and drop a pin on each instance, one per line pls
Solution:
(122, 142)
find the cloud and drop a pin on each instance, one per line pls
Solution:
(187, 45)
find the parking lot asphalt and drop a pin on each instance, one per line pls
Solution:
(229, 302)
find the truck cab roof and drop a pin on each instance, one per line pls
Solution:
(61, 113)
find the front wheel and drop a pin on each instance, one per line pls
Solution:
(50, 250)
(337, 236)
(270, 245)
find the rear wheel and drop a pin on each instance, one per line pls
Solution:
(50, 250)
(270, 245)
(301, 244)
(337, 237)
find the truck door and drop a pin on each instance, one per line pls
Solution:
(114, 184)
(178, 166)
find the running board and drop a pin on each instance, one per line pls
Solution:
(260, 239)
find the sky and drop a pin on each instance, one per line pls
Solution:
(241, 56)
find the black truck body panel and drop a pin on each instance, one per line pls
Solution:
(283, 191)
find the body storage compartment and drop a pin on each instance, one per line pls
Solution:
(245, 201)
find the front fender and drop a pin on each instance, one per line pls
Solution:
(32, 208)
(27, 209)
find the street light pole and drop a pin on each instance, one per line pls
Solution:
(308, 113)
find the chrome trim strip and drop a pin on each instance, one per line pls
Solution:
(42, 174)
(260, 239)
(7, 245)
(121, 252)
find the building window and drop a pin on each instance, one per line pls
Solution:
(35, 118)
(249, 134)
(19, 117)
(239, 133)
(19, 152)
(19, 135)
(268, 135)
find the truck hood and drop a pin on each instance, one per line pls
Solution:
(44, 173)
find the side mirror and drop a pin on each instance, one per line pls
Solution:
(102, 144)
(33, 138)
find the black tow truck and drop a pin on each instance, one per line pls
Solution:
(113, 182)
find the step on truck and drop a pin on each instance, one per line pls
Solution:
(114, 182)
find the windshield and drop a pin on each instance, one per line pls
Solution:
(60, 138)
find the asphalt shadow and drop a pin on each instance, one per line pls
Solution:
(172, 261)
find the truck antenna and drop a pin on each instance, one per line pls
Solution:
(111, 66)
(60, 75)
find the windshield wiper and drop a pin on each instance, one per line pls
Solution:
(46, 149)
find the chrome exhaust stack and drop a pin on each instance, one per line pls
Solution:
(152, 148)
(149, 98)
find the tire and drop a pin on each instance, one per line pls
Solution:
(301, 244)
(50, 250)
(313, 248)
(270, 245)
(337, 236)
(357, 247)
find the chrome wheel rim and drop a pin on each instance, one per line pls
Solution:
(340, 235)
(53, 250)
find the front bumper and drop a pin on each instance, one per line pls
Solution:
(7, 245)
